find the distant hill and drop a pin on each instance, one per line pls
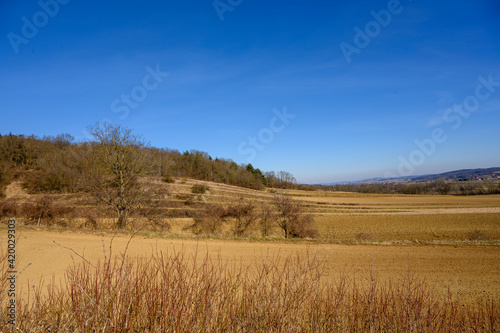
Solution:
(466, 174)
(459, 175)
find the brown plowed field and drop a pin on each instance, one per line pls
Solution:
(470, 272)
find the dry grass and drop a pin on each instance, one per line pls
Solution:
(178, 292)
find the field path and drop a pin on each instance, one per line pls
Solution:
(422, 211)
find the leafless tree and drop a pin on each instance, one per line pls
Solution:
(286, 179)
(116, 160)
(208, 220)
(266, 220)
(242, 215)
(291, 219)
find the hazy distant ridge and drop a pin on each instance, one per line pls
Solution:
(464, 174)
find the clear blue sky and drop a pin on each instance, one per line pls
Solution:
(327, 90)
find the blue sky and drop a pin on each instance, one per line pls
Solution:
(329, 91)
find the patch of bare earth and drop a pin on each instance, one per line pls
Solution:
(15, 191)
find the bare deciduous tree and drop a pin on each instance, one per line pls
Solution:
(116, 160)
(208, 220)
(266, 220)
(242, 215)
(291, 219)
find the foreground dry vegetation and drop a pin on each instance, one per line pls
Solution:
(194, 291)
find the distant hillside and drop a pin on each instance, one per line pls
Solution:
(458, 182)
(457, 175)
(462, 175)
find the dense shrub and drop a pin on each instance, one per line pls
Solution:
(153, 213)
(44, 209)
(168, 179)
(8, 208)
(199, 189)
(477, 235)
(208, 220)
(291, 219)
(304, 227)
(266, 220)
(4, 179)
(242, 216)
(56, 180)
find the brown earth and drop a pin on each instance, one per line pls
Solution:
(471, 272)
(15, 190)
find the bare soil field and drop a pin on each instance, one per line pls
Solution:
(470, 272)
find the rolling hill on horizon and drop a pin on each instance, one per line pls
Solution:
(460, 175)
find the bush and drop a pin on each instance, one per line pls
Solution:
(154, 215)
(476, 235)
(303, 227)
(91, 219)
(4, 179)
(43, 209)
(363, 236)
(208, 220)
(57, 180)
(8, 209)
(266, 220)
(199, 189)
(168, 179)
(242, 216)
(291, 219)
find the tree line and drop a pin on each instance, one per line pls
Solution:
(439, 186)
(59, 164)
